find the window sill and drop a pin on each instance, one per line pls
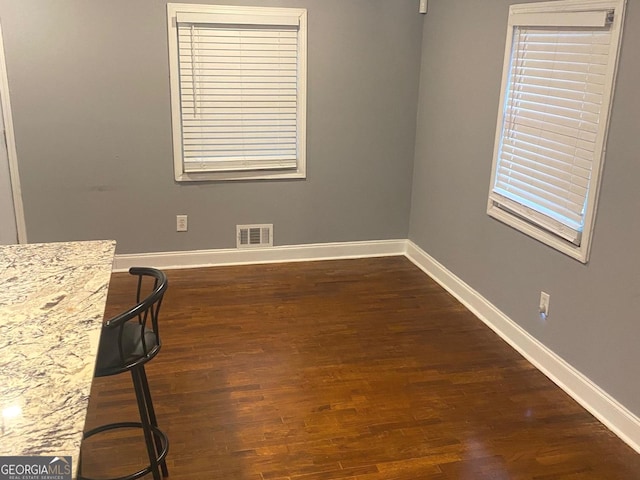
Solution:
(580, 253)
(230, 176)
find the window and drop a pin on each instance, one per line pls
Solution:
(557, 85)
(238, 91)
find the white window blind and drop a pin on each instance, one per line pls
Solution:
(552, 127)
(241, 90)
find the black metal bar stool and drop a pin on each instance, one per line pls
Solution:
(127, 342)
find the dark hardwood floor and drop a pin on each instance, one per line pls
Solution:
(350, 369)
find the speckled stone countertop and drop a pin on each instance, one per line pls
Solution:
(52, 300)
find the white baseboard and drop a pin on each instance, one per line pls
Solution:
(236, 256)
(601, 405)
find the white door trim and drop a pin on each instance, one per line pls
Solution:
(11, 146)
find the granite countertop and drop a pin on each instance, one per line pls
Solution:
(52, 300)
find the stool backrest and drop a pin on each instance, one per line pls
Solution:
(145, 314)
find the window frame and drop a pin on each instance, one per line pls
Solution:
(180, 173)
(580, 252)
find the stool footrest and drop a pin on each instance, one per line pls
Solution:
(157, 433)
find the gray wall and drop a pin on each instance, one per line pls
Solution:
(594, 320)
(89, 85)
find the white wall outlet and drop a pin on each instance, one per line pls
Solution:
(423, 6)
(181, 223)
(544, 304)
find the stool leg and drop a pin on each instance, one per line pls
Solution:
(144, 418)
(80, 464)
(152, 417)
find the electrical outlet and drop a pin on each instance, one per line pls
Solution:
(181, 223)
(423, 6)
(544, 304)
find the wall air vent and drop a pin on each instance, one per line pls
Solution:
(252, 236)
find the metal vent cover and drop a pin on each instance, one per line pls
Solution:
(253, 236)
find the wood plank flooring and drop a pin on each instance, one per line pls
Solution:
(349, 369)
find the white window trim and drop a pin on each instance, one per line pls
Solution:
(582, 251)
(173, 9)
